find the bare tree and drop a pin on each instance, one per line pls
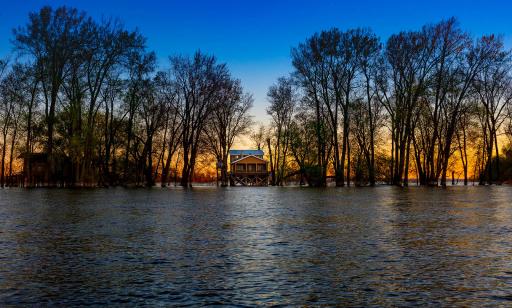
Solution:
(140, 66)
(309, 75)
(229, 119)
(368, 58)
(493, 85)
(52, 38)
(198, 80)
(109, 47)
(302, 132)
(283, 99)
(171, 139)
(409, 57)
(258, 137)
(113, 116)
(11, 107)
(153, 111)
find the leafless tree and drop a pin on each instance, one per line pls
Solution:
(171, 138)
(199, 81)
(52, 38)
(229, 119)
(309, 74)
(493, 85)
(258, 137)
(283, 100)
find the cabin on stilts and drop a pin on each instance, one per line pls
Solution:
(43, 170)
(248, 168)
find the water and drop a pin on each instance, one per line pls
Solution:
(382, 246)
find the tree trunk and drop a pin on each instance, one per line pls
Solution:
(272, 167)
(348, 162)
(165, 171)
(497, 158)
(11, 154)
(224, 171)
(185, 173)
(150, 181)
(2, 168)
(127, 153)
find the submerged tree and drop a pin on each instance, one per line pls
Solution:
(282, 98)
(87, 97)
(199, 81)
(171, 138)
(493, 85)
(229, 119)
(52, 38)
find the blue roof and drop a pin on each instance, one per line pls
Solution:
(246, 152)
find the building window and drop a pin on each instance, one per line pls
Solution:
(251, 168)
(240, 167)
(262, 168)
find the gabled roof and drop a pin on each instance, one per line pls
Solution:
(245, 157)
(246, 152)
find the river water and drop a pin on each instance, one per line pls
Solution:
(383, 246)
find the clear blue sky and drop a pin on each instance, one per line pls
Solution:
(255, 37)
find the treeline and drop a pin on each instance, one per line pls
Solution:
(433, 103)
(427, 103)
(89, 95)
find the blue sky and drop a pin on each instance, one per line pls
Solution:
(255, 37)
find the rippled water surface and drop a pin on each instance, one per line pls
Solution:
(380, 246)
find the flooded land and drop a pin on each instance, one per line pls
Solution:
(381, 246)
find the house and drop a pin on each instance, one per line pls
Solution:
(248, 168)
(41, 170)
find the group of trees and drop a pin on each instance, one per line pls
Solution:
(90, 91)
(424, 103)
(89, 95)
